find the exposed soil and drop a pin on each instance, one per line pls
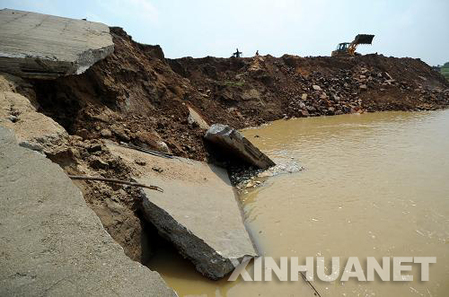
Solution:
(137, 96)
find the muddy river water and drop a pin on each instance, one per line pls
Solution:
(372, 185)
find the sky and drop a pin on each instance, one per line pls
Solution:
(199, 28)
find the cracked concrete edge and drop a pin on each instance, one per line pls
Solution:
(43, 68)
(206, 260)
(45, 272)
(88, 58)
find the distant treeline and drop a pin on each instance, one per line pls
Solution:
(445, 70)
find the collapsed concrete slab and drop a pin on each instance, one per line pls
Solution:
(197, 211)
(32, 129)
(51, 242)
(42, 46)
(236, 144)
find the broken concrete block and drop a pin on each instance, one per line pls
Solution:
(198, 211)
(33, 129)
(51, 242)
(234, 142)
(42, 46)
(196, 118)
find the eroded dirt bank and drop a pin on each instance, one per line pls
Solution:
(138, 97)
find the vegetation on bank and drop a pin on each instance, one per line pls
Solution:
(445, 70)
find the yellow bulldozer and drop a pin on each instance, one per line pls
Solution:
(348, 48)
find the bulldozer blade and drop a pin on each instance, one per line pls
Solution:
(363, 39)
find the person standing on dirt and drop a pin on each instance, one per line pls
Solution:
(237, 53)
(257, 53)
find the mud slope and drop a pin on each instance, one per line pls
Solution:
(136, 95)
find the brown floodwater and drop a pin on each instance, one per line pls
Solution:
(372, 185)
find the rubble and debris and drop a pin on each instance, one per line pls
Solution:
(235, 143)
(42, 46)
(293, 86)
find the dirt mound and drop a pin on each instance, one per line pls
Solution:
(261, 89)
